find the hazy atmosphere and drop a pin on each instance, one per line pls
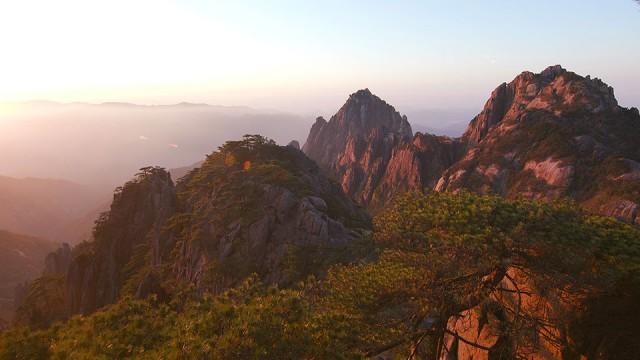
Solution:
(305, 57)
(257, 179)
(435, 61)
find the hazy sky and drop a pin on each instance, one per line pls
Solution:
(306, 56)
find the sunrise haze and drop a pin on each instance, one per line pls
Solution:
(306, 57)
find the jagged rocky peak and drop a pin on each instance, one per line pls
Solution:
(364, 110)
(554, 135)
(369, 148)
(363, 119)
(554, 89)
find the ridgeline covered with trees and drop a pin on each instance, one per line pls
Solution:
(440, 272)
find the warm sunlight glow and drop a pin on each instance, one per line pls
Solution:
(295, 55)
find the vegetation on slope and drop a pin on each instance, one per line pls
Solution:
(21, 260)
(434, 257)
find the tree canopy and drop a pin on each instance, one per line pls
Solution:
(434, 257)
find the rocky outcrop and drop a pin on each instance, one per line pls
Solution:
(370, 149)
(542, 136)
(251, 207)
(57, 263)
(127, 238)
(288, 218)
(416, 166)
(553, 135)
(551, 171)
(495, 329)
(554, 89)
(356, 145)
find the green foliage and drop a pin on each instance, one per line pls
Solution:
(22, 343)
(435, 256)
(136, 269)
(43, 304)
(129, 328)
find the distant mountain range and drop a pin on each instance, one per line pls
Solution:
(103, 144)
(58, 210)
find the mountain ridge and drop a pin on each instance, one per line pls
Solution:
(428, 162)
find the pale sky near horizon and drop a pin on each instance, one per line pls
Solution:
(307, 56)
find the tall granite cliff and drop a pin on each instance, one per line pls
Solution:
(553, 135)
(129, 231)
(370, 149)
(545, 136)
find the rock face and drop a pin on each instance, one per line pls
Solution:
(252, 207)
(555, 90)
(57, 263)
(127, 238)
(543, 136)
(552, 135)
(288, 217)
(370, 149)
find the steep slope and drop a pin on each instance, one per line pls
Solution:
(370, 149)
(552, 135)
(252, 207)
(131, 228)
(21, 259)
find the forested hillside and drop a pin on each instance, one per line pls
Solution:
(442, 273)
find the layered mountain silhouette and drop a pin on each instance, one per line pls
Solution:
(281, 214)
(53, 209)
(543, 136)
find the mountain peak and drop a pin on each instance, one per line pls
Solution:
(553, 71)
(554, 90)
(363, 93)
(364, 118)
(358, 143)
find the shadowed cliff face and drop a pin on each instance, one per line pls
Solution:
(544, 136)
(370, 149)
(127, 238)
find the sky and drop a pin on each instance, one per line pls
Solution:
(307, 56)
